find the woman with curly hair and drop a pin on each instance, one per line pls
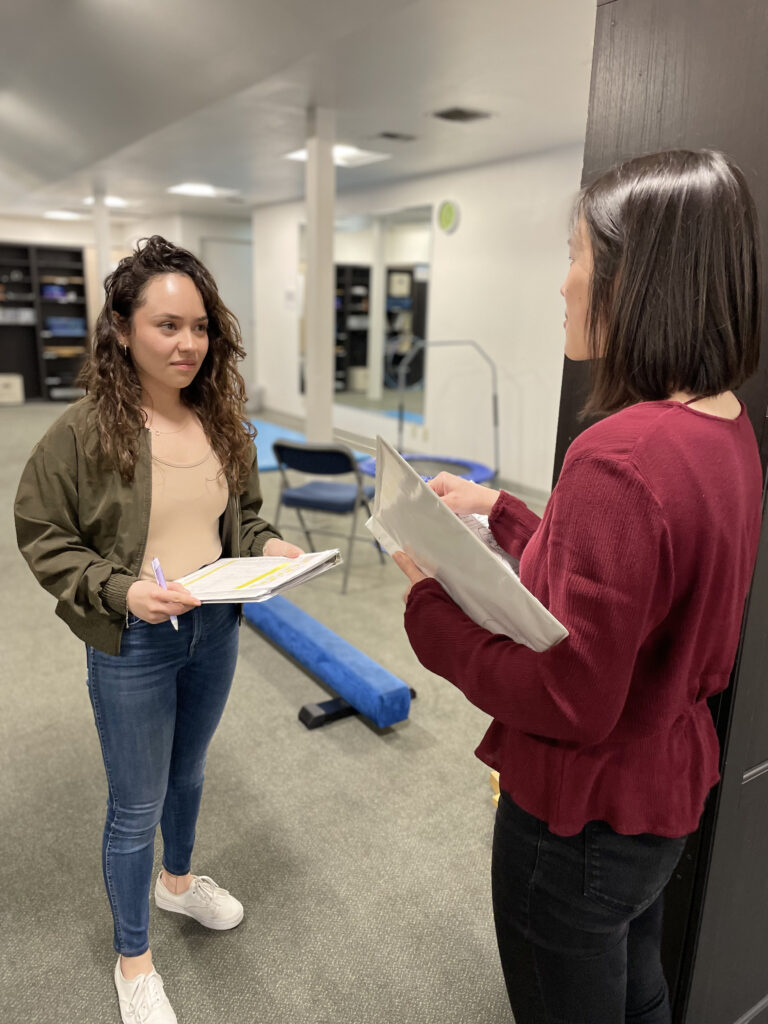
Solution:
(157, 461)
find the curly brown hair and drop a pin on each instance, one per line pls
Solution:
(217, 393)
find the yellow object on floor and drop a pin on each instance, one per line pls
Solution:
(494, 781)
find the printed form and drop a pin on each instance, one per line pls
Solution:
(409, 517)
(230, 580)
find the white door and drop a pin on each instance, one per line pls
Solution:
(231, 263)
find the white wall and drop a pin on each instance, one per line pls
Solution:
(230, 262)
(40, 231)
(407, 244)
(189, 231)
(353, 247)
(495, 280)
(277, 304)
(404, 244)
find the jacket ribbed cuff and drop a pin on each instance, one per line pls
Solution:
(114, 593)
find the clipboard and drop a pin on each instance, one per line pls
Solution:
(232, 580)
(408, 516)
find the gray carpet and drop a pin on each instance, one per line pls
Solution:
(362, 857)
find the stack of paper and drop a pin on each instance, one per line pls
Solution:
(232, 580)
(408, 516)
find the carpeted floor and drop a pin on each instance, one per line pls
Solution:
(362, 857)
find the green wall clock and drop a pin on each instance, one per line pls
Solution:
(448, 216)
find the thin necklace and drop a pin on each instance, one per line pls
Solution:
(165, 433)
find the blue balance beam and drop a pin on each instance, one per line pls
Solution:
(364, 684)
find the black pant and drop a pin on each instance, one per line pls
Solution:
(578, 921)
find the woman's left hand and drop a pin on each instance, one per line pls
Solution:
(412, 571)
(275, 548)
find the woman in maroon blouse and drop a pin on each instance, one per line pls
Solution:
(605, 743)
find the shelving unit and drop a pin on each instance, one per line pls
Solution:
(43, 326)
(19, 351)
(353, 283)
(406, 319)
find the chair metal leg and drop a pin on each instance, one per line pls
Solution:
(304, 528)
(348, 564)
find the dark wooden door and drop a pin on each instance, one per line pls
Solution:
(694, 74)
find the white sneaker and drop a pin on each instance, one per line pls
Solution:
(143, 999)
(212, 906)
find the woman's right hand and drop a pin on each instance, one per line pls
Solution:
(463, 496)
(150, 602)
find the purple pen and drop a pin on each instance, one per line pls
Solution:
(160, 580)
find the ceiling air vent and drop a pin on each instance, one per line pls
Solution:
(396, 137)
(460, 114)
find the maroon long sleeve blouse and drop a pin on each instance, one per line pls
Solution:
(645, 553)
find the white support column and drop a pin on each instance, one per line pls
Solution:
(320, 366)
(377, 312)
(102, 236)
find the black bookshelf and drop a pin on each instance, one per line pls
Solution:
(353, 284)
(406, 312)
(43, 320)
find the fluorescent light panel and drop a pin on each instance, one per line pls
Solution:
(62, 215)
(115, 202)
(345, 156)
(201, 189)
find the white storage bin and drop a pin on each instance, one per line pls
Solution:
(358, 378)
(11, 389)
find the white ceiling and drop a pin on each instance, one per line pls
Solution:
(138, 95)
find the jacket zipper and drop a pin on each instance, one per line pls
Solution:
(147, 509)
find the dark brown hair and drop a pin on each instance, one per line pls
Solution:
(674, 299)
(217, 393)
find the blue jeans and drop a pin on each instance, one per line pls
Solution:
(578, 920)
(156, 707)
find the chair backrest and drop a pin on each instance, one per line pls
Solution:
(323, 459)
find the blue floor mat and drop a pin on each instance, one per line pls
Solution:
(268, 433)
(409, 417)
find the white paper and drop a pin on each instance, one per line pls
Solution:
(231, 580)
(479, 526)
(408, 516)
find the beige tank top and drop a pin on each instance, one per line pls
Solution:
(187, 502)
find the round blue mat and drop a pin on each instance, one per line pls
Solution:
(428, 466)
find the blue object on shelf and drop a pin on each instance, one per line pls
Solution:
(53, 291)
(369, 688)
(65, 326)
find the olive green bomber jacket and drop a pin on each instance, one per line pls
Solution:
(83, 530)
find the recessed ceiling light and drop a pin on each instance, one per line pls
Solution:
(115, 202)
(62, 215)
(345, 156)
(200, 189)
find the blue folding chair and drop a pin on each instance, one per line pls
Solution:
(323, 495)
